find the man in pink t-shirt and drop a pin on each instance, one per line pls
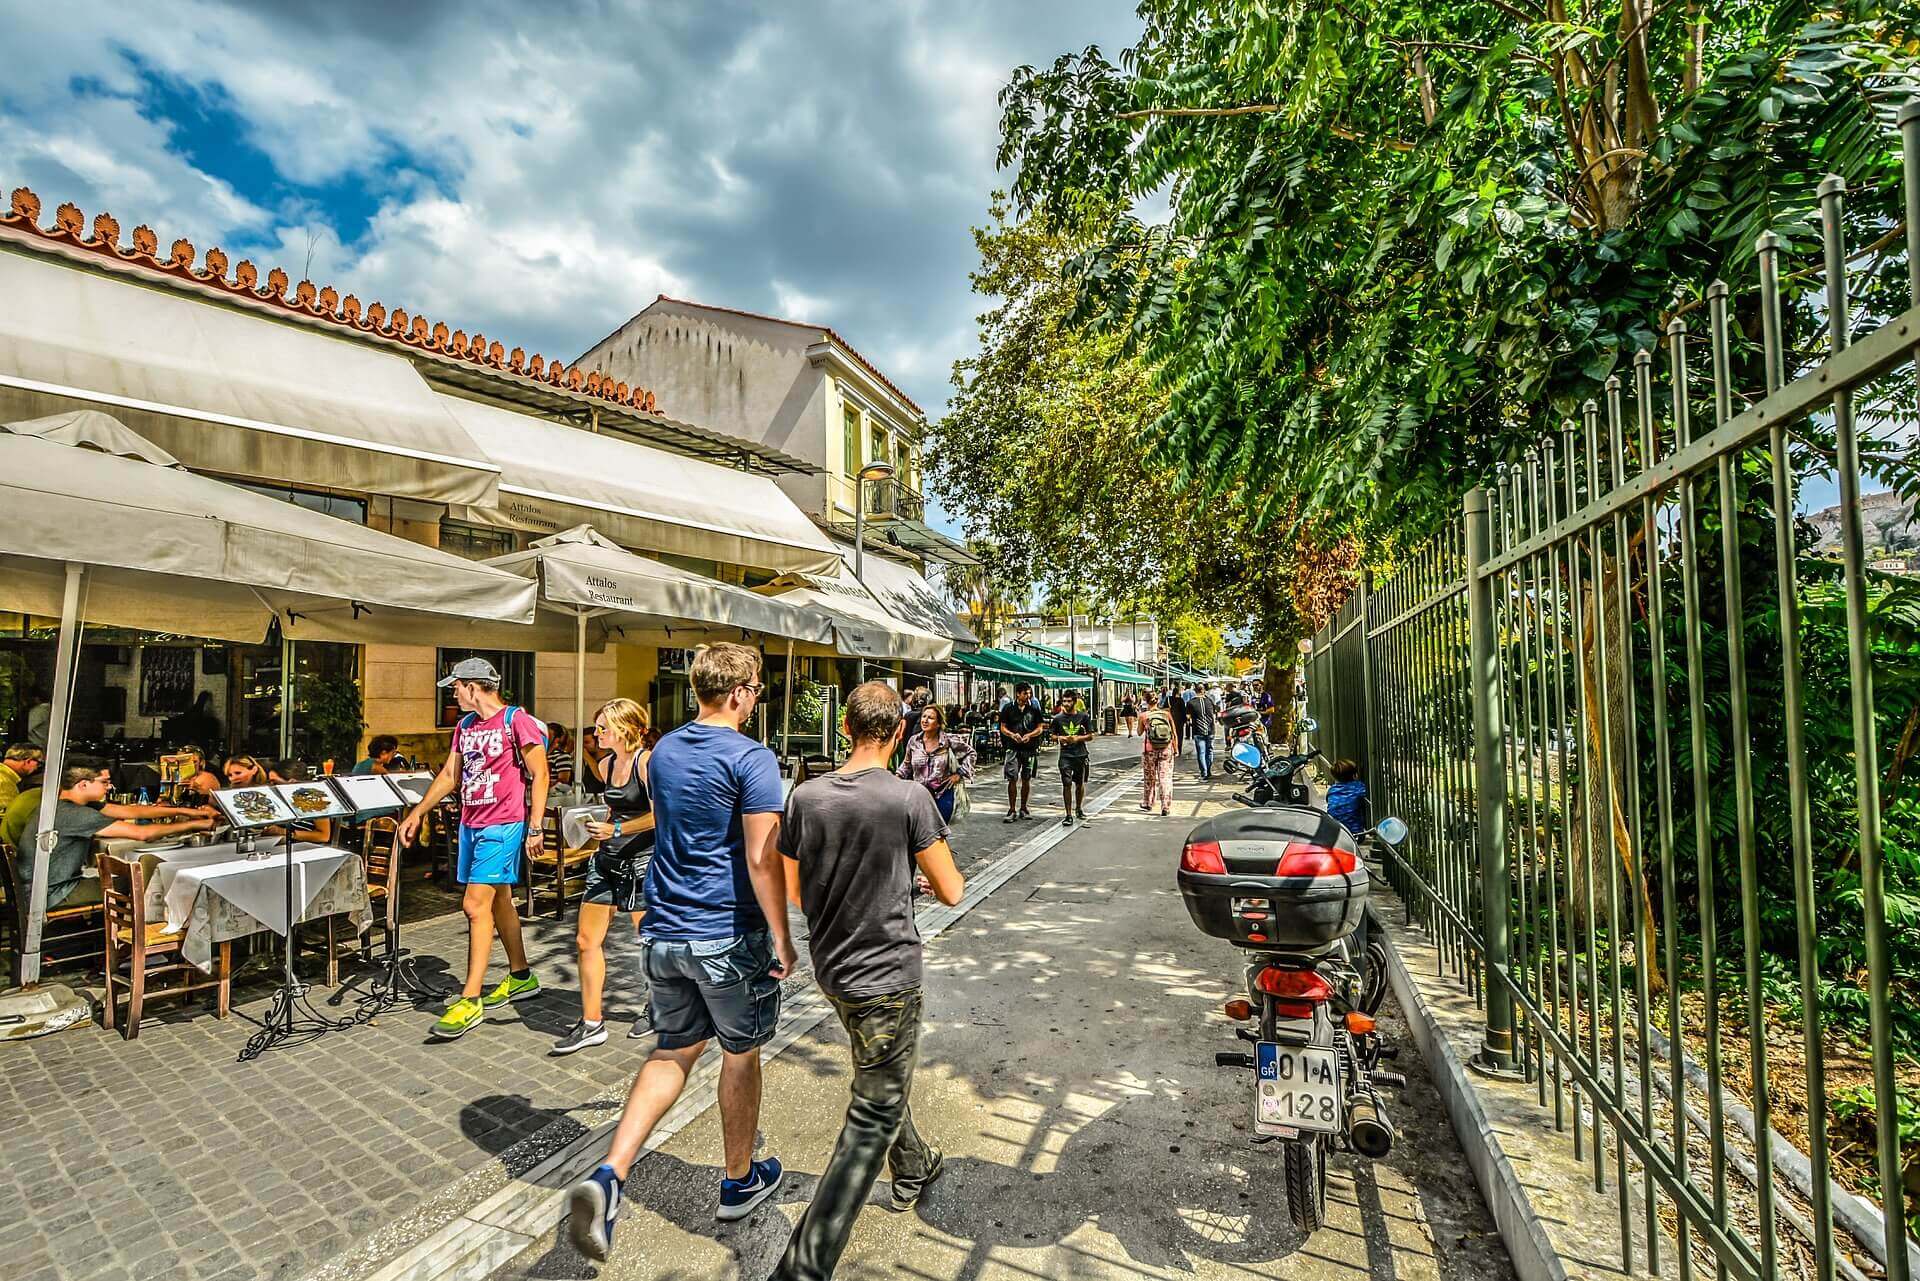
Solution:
(499, 765)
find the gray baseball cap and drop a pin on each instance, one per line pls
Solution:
(471, 669)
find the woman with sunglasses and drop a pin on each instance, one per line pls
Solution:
(617, 874)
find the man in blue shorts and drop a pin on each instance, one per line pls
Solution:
(499, 765)
(715, 941)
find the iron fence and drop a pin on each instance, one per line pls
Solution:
(1589, 698)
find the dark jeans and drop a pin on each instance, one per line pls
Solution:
(1203, 754)
(886, 1045)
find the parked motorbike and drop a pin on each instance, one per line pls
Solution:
(1272, 778)
(1287, 886)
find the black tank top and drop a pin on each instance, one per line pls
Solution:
(625, 801)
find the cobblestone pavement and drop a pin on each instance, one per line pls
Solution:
(163, 1157)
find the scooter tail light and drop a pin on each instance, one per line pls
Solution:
(1238, 1010)
(1301, 859)
(1293, 1009)
(1294, 985)
(1203, 857)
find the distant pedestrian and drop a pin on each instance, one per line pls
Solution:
(938, 761)
(1072, 729)
(714, 944)
(1201, 725)
(560, 753)
(1021, 725)
(1159, 744)
(499, 765)
(852, 840)
(1129, 711)
(1176, 707)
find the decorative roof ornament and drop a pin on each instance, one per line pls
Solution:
(323, 303)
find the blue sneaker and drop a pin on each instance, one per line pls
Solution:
(740, 1197)
(592, 1206)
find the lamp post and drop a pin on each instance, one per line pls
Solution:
(876, 469)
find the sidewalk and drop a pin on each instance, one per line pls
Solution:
(162, 1157)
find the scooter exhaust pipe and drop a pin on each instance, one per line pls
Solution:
(1368, 1128)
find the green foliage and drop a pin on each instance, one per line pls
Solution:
(328, 712)
(1432, 230)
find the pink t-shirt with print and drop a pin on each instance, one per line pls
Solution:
(492, 789)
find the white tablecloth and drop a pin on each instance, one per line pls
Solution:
(214, 893)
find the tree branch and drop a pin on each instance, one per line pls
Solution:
(1262, 109)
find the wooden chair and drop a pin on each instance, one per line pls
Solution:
(379, 839)
(71, 935)
(556, 872)
(148, 950)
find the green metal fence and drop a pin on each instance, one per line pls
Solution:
(1560, 695)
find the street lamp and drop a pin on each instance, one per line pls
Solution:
(876, 469)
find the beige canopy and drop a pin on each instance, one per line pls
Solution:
(906, 594)
(862, 627)
(554, 477)
(228, 392)
(175, 552)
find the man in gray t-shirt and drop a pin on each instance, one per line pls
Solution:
(852, 840)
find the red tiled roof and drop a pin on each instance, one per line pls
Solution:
(70, 228)
(860, 360)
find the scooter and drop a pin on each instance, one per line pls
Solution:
(1287, 886)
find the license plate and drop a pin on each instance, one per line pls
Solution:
(1298, 1088)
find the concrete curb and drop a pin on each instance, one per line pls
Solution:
(1526, 1237)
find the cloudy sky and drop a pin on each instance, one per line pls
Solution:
(540, 172)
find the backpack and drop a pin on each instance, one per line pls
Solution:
(1159, 727)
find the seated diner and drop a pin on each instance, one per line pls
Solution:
(82, 815)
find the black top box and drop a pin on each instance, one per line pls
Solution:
(1279, 879)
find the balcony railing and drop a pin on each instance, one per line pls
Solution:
(891, 500)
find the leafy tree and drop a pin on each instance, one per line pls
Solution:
(1045, 455)
(1404, 239)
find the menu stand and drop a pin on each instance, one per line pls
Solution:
(396, 980)
(290, 1020)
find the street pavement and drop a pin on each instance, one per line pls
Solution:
(1067, 1071)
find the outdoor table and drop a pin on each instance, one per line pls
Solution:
(214, 893)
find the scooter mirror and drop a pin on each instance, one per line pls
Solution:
(1391, 830)
(1247, 753)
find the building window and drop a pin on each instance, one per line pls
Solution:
(353, 509)
(516, 678)
(475, 542)
(878, 448)
(852, 448)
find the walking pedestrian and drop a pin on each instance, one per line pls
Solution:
(714, 942)
(1072, 729)
(852, 840)
(1201, 724)
(938, 761)
(1176, 707)
(1021, 724)
(616, 874)
(1159, 744)
(1129, 710)
(499, 764)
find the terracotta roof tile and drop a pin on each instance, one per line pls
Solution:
(860, 360)
(70, 228)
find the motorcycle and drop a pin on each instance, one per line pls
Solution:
(1286, 884)
(1273, 779)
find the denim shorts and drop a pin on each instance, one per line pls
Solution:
(713, 989)
(618, 883)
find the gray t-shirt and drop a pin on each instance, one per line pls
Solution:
(854, 836)
(75, 826)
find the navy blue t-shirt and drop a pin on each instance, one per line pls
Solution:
(703, 779)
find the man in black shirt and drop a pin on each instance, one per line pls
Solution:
(1177, 708)
(1072, 728)
(1021, 725)
(852, 840)
(1200, 728)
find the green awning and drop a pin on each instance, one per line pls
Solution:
(1005, 665)
(1107, 669)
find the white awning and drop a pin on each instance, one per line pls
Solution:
(227, 392)
(907, 595)
(554, 477)
(638, 600)
(171, 551)
(862, 628)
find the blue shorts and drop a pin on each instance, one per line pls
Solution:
(491, 855)
(716, 989)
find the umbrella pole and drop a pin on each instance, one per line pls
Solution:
(286, 695)
(579, 696)
(61, 699)
(786, 704)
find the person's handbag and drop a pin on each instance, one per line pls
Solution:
(962, 803)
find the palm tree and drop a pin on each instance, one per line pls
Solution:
(987, 601)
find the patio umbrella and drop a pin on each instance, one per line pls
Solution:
(94, 536)
(611, 591)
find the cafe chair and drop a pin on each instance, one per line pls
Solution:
(147, 949)
(379, 853)
(71, 935)
(556, 872)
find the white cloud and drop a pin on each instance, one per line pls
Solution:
(792, 304)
